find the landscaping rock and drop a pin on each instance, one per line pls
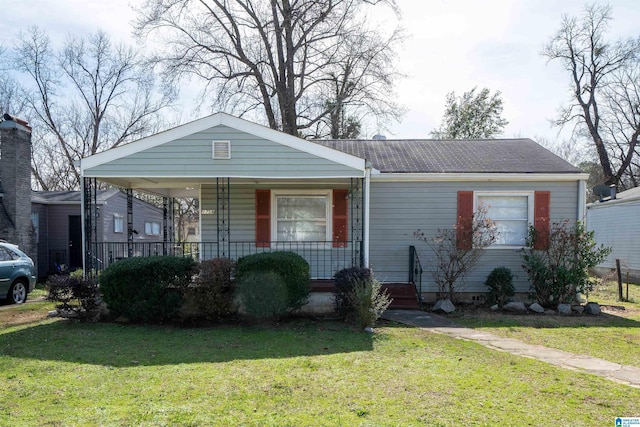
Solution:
(577, 308)
(494, 307)
(68, 313)
(564, 309)
(536, 308)
(550, 312)
(368, 329)
(123, 319)
(515, 307)
(444, 305)
(53, 313)
(592, 308)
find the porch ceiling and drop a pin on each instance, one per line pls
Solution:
(190, 187)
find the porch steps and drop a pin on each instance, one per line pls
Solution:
(403, 294)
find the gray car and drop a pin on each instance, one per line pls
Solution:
(17, 274)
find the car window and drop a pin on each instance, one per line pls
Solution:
(4, 255)
(12, 254)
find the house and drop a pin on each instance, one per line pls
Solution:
(615, 222)
(57, 216)
(345, 203)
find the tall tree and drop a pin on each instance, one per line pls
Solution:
(303, 64)
(605, 90)
(86, 97)
(472, 115)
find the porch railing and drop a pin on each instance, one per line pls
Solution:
(324, 258)
(415, 271)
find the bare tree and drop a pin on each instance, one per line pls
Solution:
(84, 98)
(605, 87)
(472, 115)
(300, 63)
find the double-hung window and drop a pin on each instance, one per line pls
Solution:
(118, 224)
(512, 213)
(301, 216)
(152, 228)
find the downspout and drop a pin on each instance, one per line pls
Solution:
(582, 199)
(367, 196)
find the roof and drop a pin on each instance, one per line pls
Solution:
(455, 156)
(627, 196)
(68, 197)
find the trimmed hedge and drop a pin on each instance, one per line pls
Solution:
(293, 269)
(263, 294)
(211, 295)
(500, 285)
(146, 289)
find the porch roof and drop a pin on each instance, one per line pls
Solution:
(178, 160)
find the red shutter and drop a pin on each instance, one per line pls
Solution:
(263, 218)
(464, 225)
(541, 207)
(340, 213)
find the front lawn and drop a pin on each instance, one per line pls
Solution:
(56, 372)
(613, 336)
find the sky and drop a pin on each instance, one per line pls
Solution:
(452, 46)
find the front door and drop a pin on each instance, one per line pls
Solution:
(75, 242)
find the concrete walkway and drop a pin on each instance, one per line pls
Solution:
(629, 375)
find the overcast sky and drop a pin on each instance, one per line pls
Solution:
(453, 46)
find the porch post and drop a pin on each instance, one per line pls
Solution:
(365, 236)
(165, 224)
(89, 224)
(223, 215)
(129, 222)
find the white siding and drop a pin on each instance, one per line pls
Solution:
(618, 226)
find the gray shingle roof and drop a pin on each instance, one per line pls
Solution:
(454, 156)
(46, 197)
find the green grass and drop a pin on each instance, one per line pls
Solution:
(613, 336)
(55, 372)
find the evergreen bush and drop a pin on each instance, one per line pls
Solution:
(500, 284)
(147, 289)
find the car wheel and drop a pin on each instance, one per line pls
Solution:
(17, 293)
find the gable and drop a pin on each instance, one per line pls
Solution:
(254, 151)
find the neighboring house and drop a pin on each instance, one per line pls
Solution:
(57, 217)
(615, 222)
(346, 203)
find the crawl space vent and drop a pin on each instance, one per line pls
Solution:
(221, 150)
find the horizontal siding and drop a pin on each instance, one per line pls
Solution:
(618, 227)
(242, 223)
(398, 209)
(191, 156)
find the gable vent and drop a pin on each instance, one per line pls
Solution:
(221, 150)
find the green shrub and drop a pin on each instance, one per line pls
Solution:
(560, 271)
(345, 280)
(500, 284)
(75, 294)
(368, 302)
(146, 289)
(264, 294)
(292, 268)
(211, 295)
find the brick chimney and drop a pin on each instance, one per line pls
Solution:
(15, 184)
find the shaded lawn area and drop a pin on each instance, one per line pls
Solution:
(297, 373)
(613, 336)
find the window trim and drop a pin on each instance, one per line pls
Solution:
(530, 210)
(328, 193)
(116, 217)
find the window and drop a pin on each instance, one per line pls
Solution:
(152, 228)
(512, 214)
(35, 220)
(118, 224)
(301, 217)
